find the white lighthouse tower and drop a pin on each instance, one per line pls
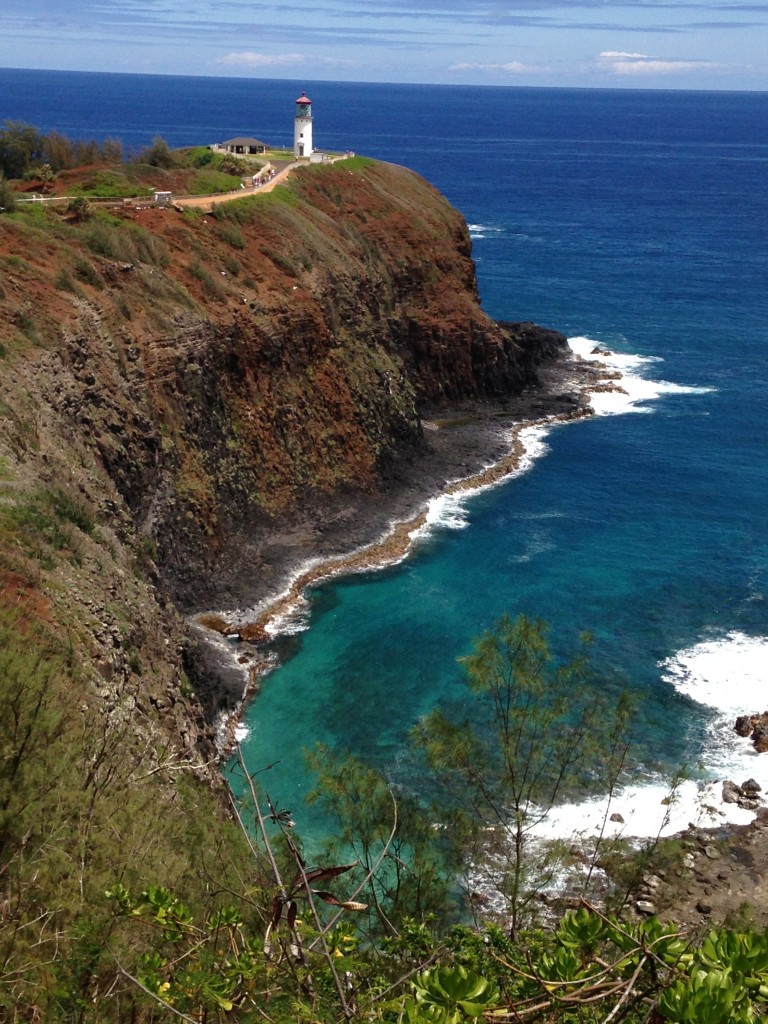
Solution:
(302, 127)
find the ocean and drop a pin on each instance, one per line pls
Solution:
(636, 220)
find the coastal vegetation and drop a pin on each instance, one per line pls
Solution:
(183, 396)
(44, 161)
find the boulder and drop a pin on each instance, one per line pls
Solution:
(732, 793)
(756, 727)
(760, 737)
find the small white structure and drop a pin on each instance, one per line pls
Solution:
(302, 127)
(243, 146)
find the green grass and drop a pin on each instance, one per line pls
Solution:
(110, 185)
(117, 240)
(355, 163)
(41, 520)
(207, 182)
(238, 211)
(283, 195)
(16, 262)
(279, 154)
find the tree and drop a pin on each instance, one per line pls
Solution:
(58, 151)
(537, 736)
(158, 154)
(112, 151)
(20, 145)
(401, 854)
(7, 197)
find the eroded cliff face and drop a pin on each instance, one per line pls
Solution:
(222, 372)
(176, 386)
(198, 380)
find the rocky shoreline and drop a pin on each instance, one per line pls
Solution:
(467, 446)
(714, 876)
(710, 875)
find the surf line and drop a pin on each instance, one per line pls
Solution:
(389, 549)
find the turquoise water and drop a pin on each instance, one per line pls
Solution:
(637, 219)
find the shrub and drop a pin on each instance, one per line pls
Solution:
(211, 285)
(283, 262)
(25, 322)
(7, 197)
(232, 234)
(203, 158)
(88, 273)
(127, 242)
(80, 208)
(104, 240)
(231, 265)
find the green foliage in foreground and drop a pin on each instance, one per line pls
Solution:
(592, 968)
(120, 908)
(78, 809)
(536, 734)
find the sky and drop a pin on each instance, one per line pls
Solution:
(660, 44)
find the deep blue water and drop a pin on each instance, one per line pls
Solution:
(638, 219)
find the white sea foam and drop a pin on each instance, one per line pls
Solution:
(482, 230)
(451, 510)
(637, 389)
(445, 511)
(644, 812)
(728, 675)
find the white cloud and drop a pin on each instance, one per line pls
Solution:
(249, 59)
(620, 55)
(513, 67)
(621, 63)
(662, 67)
(337, 62)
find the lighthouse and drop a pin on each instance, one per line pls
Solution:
(302, 127)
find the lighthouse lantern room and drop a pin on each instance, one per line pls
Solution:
(302, 127)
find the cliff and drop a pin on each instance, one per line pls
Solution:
(175, 385)
(222, 372)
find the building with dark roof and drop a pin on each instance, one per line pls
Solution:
(244, 146)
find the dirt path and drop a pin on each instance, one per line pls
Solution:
(208, 202)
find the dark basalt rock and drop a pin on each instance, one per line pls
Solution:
(756, 727)
(745, 796)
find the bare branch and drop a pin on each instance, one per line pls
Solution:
(153, 995)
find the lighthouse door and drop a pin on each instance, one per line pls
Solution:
(301, 149)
